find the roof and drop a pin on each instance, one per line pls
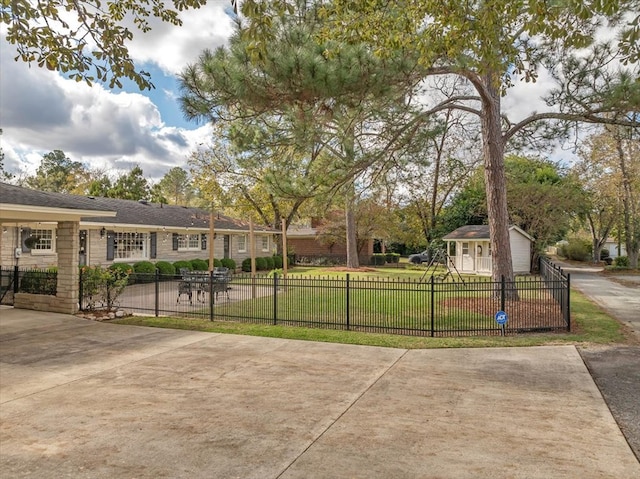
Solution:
(127, 212)
(479, 232)
(23, 204)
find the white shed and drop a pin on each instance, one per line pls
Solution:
(473, 249)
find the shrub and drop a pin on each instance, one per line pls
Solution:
(604, 253)
(246, 265)
(576, 249)
(199, 265)
(145, 271)
(40, 281)
(378, 259)
(123, 267)
(178, 265)
(165, 268)
(217, 263)
(393, 258)
(228, 263)
(277, 262)
(101, 287)
(261, 264)
(621, 262)
(269, 262)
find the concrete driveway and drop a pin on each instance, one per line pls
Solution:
(92, 400)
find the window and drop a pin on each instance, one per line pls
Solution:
(265, 243)
(189, 242)
(45, 243)
(465, 248)
(242, 244)
(130, 246)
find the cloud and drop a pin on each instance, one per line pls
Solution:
(42, 111)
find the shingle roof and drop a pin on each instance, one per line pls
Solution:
(478, 232)
(17, 195)
(469, 232)
(128, 212)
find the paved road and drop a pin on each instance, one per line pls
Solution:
(616, 370)
(85, 399)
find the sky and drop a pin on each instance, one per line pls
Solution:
(115, 130)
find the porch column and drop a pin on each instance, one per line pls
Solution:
(67, 296)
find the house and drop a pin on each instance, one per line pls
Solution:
(470, 249)
(42, 229)
(612, 246)
(136, 231)
(304, 242)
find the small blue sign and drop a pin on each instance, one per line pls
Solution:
(501, 318)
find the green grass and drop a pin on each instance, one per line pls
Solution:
(590, 326)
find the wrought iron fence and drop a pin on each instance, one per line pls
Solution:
(26, 280)
(532, 303)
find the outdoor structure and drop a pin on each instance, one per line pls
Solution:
(43, 229)
(471, 251)
(615, 248)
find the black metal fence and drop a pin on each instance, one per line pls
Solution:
(26, 280)
(432, 308)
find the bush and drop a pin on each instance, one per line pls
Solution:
(604, 253)
(40, 282)
(178, 265)
(199, 265)
(261, 264)
(393, 258)
(246, 265)
(145, 271)
(277, 262)
(101, 287)
(165, 268)
(228, 263)
(378, 259)
(217, 263)
(621, 262)
(269, 262)
(576, 249)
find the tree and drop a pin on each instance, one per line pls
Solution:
(130, 186)
(490, 44)
(56, 173)
(610, 171)
(337, 103)
(87, 40)
(175, 186)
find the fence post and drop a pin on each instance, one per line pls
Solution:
(347, 297)
(433, 306)
(568, 308)
(157, 293)
(80, 290)
(212, 300)
(502, 293)
(16, 279)
(275, 298)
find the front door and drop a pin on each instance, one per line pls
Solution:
(467, 258)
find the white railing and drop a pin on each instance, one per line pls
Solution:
(483, 264)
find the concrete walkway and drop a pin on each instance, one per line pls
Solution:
(93, 400)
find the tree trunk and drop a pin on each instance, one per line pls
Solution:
(495, 183)
(352, 241)
(631, 223)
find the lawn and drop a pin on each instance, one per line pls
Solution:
(590, 325)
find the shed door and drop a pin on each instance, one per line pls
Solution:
(467, 258)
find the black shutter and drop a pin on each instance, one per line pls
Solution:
(154, 245)
(203, 241)
(175, 242)
(111, 245)
(26, 233)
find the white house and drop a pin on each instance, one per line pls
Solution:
(612, 245)
(470, 249)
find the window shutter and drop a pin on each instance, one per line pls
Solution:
(153, 240)
(203, 241)
(26, 233)
(175, 242)
(111, 243)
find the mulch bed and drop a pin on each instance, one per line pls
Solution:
(522, 314)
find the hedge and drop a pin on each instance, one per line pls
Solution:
(165, 268)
